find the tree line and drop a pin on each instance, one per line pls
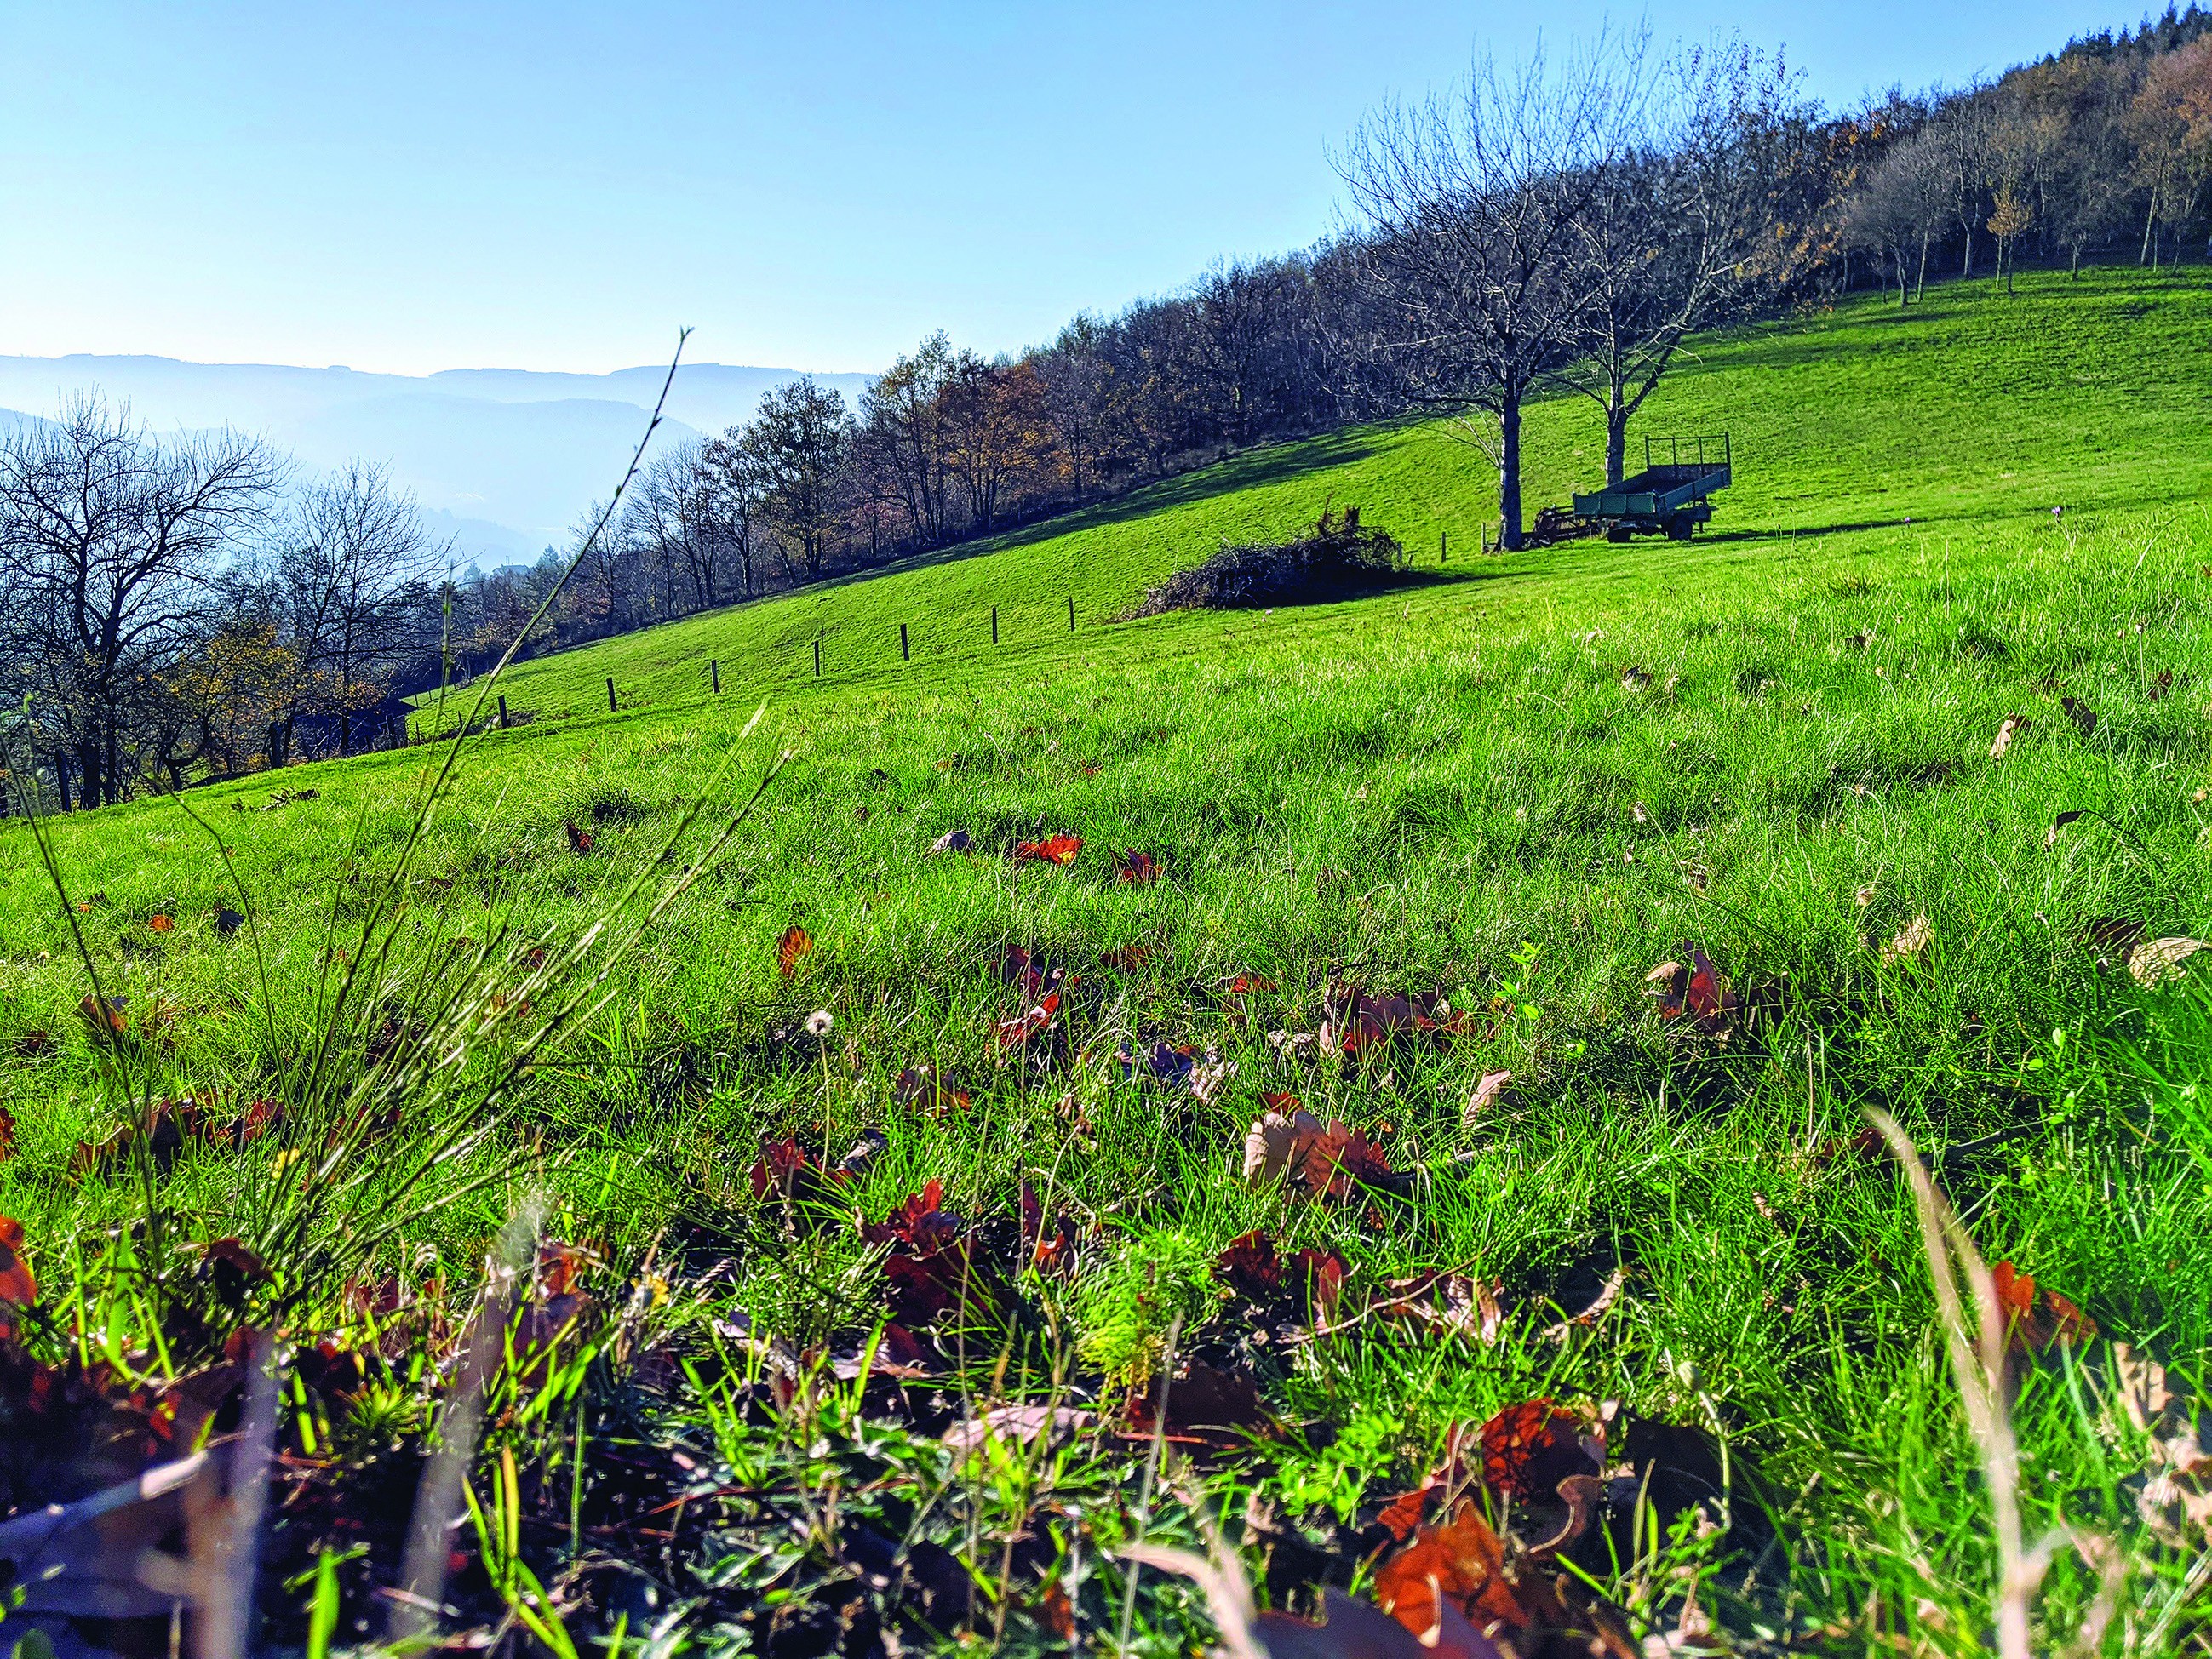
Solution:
(176, 608)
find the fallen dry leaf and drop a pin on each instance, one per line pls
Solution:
(1485, 1096)
(2036, 1317)
(795, 943)
(2051, 835)
(2160, 959)
(1911, 940)
(1053, 849)
(2012, 727)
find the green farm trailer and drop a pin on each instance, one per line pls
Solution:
(1671, 494)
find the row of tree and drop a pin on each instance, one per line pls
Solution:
(173, 606)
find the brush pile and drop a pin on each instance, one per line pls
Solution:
(1332, 560)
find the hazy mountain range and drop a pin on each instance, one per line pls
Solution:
(501, 459)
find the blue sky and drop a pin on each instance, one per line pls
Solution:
(409, 186)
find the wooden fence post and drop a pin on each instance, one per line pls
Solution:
(714, 672)
(904, 654)
(502, 711)
(994, 624)
(818, 656)
(610, 694)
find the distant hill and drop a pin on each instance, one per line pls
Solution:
(503, 460)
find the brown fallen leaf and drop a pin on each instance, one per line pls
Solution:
(1911, 940)
(1485, 1096)
(2051, 835)
(2012, 727)
(2158, 960)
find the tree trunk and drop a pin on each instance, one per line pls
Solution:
(1966, 263)
(1616, 439)
(1920, 279)
(1509, 474)
(2150, 220)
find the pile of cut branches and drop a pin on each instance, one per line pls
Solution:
(1334, 560)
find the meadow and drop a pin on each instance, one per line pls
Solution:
(1907, 773)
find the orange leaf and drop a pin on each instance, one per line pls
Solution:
(7, 1134)
(1529, 1449)
(2035, 1318)
(17, 1287)
(1054, 849)
(159, 924)
(1462, 1561)
(795, 943)
(579, 840)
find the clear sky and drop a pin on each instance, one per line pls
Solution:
(429, 184)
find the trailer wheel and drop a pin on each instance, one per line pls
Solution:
(1619, 532)
(1680, 527)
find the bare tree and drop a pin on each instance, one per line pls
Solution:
(904, 416)
(1076, 381)
(733, 477)
(110, 544)
(1664, 244)
(355, 580)
(1470, 205)
(1897, 211)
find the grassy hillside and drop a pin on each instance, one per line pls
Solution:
(1962, 411)
(1515, 784)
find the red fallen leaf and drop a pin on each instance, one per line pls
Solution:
(1529, 1449)
(1134, 867)
(917, 1085)
(1401, 1517)
(1029, 973)
(795, 943)
(1283, 1104)
(1205, 1403)
(930, 1267)
(1055, 1611)
(2036, 1317)
(580, 840)
(1245, 985)
(2161, 686)
(1866, 1146)
(1360, 1021)
(18, 1289)
(1049, 1249)
(1054, 849)
(1129, 958)
(232, 1253)
(785, 1168)
(104, 1017)
(1017, 1032)
(7, 1135)
(1695, 990)
(34, 1045)
(1461, 1562)
(1338, 1160)
(1309, 1284)
(561, 1267)
(159, 924)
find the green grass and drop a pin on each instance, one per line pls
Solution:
(1458, 786)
